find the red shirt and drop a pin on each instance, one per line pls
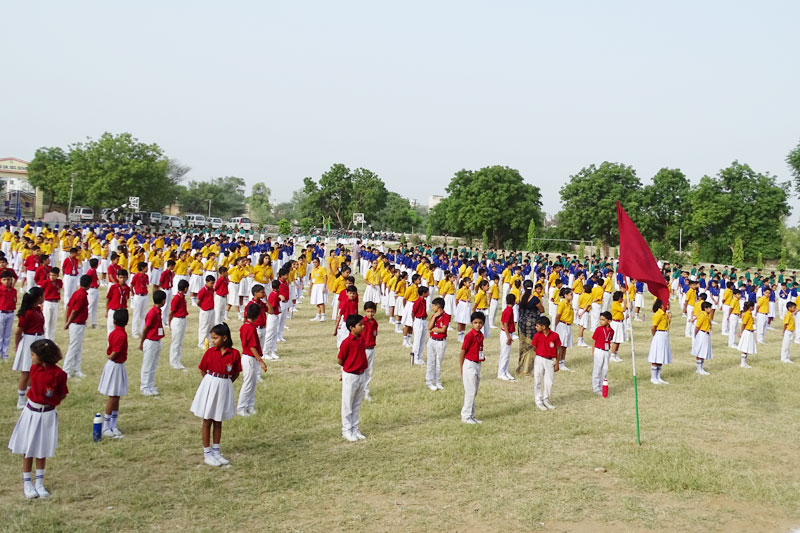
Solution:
(347, 308)
(343, 298)
(221, 287)
(8, 298)
(274, 302)
(419, 308)
(261, 321)
(353, 356)
(152, 322)
(31, 262)
(602, 338)
(178, 306)
(507, 318)
(442, 321)
(92, 273)
(70, 266)
(205, 299)
(545, 345)
(118, 296)
(41, 274)
(283, 290)
(473, 346)
(165, 282)
(370, 333)
(118, 342)
(112, 272)
(32, 322)
(229, 364)
(48, 385)
(249, 337)
(52, 290)
(139, 284)
(79, 302)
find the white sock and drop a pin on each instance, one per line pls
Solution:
(26, 477)
(654, 373)
(107, 422)
(215, 449)
(114, 416)
(206, 451)
(39, 477)
(658, 372)
(20, 394)
(744, 359)
(699, 365)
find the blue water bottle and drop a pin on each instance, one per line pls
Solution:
(97, 428)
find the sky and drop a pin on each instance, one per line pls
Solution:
(414, 91)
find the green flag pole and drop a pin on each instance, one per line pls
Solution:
(635, 387)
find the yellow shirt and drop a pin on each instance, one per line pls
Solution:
(727, 296)
(181, 267)
(7, 236)
(494, 290)
(480, 300)
(515, 292)
(597, 294)
(585, 300)
(697, 308)
(661, 320)
(703, 323)
(736, 309)
(400, 287)
(691, 295)
(577, 287)
(565, 312)
(211, 266)
(617, 311)
(608, 285)
(463, 294)
(763, 305)
(338, 285)
(235, 274)
(318, 275)
(157, 261)
(747, 321)
(411, 293)
(788, 321)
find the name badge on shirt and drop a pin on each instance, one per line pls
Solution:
(552, 345)
(161, 331)
(228, 368)
(481, 357)
(48, 393)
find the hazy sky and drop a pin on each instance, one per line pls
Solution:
(275, 91)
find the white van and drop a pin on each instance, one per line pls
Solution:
(81, 214)
(171, 221)
(195, 221)
(240, 222)
(155, 218)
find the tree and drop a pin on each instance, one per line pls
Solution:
(428, 232)
(225, 194)
(532, 236)
(305, 225)
(760, 260)
(284, 227)
(665, 205)
(590, 202)
(50, 172)
(258, 201)
(737, 257)
(342, 192)
(493, 199)
(793, 160)
(176, 171)
(738, 202)
(581, 250)
(397, 215)
(782, 260)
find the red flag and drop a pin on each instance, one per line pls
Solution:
(636, 260)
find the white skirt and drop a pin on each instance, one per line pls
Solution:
(747, 344)
(244, 287)
(318, 294)
(638, 300)
(583, 320)
(398, 306)
(463, 312)
(102, 268)
(155, 276)
(36, 434)
(450, 304)
(407, 318)
(113, 380)
(660, 351)
(701, 345)
(195, 283)
(369, 294)
(233, 294)
(619, 332)
(564, 334)
(214, 399)
(22, 361)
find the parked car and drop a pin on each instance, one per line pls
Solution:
(239, 222)
(195, 221)
(215, 223)
(171, 221)
(154, 218)
(81, 214)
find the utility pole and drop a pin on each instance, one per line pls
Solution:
(71, 185)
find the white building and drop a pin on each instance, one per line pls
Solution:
(433, 200)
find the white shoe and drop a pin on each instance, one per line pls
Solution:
(663, 382)
(251, 410)
(439, 386)
(117, 433)
(701, 372)
(510, 377)
(562, 366)
(492, 327)
(349, 437)
(281, 339)
(108, 433)
(315, 319)
(655, 381)
(548, 405)
(359, 435)
(21, 404)
(502, 378)
(41, 491)
(146, 392)
(745, 365)
(476, 421)
(419, 362)
(211, 460)
(469, 421)
(242, 412)
(616, 359)
(541, 406)
(79, 374)
(179, 367)
(433, 387)
(29, 490)
(787, 361)
(153, 391)
(218, 456)
(274, 356)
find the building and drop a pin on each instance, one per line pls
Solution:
(13, 178)
(433, 200)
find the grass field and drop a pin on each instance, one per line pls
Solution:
(718, 453)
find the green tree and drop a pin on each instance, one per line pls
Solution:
(581, 250)
(258, 201)
(782, 260)
(590, 201)
(342, 192)
(737, 257)
(793, 160)
(305, 225)
(428, 232)
(495, 199)
(665, 205)
(531, 242)
(738, 201)
(284, 227)
(397, 215)
(225, 194)
(50, 171)
(760, 260)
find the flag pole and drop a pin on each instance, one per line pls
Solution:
(635, 387)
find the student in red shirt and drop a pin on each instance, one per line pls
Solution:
(30, 265)
(77, 314)
(602, 337)
(70, 270)
(114, 379)
(437, 344)
(221, 296)
(419, 311)
(545, 344)
(353, 360)
(205, 301)
(370, 337)
(151, 344)
(36, 434)
(113, 268)
(117, 297)
(470, 366)
(259, 295)
(29, 329)
(284, 294)
(93, 291)
(139, 288)
(51, 288)
(213, 402)
(347, 307)
(273, 322)
(43, 272)
(507, 329)
(165, 284)
(251, 361)
(8, 305)
(178, 312)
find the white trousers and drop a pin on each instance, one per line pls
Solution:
(29, 283)
(543, 369)
(6, 327)
(688, 332)
(420, 337)
(368, 372)
(271, 336)
(595, 316)
(761, 326)
(733, 325)
(282, 320)
(93, 297)
(505, 351)
(262, 338)
(139, 312)
(220, 307)
(433, 370)
(177, 329)
(250, 372)
(165, 311)
(492, 314)
(206, 322)
(471, 378)
(599, 369)
(70, 286)
(352, 396)
(726, 313)
(150, 352)
(72, 361)
(788, 337)
(50, 311)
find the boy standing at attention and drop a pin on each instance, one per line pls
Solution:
(151, 344)
(370, 336)
(77, 313)
(545, 343)
(507, 329)
(788, 331)
(602, 338)
(437, 344)
(353, 360)
(470, 366)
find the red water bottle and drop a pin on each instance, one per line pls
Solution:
(605, 387)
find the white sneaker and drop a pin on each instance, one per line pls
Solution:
(616, 359)
(541, 406)
(439, 386)
(745, 365)
(509, 377)
(502, 378)
(469, 421)
(419, 362)
(242, 412)
(562, 366)
(179, 367)
(146, 392)
(359, 435)
(433, 387)
(117, 433)
(108, 433)
(29, 490)
(153, 391)
(663, 382)
(476, 421)
(655, 381)
(218, 456)
(349, 437)
(41, 491)
(787, 361)
(548, 405)
(702, 372)
(315, 319)
(274, 356)
(211, 460)
(79, 374)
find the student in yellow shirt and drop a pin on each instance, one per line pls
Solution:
(701, 343)
(494, 301)
(734, 317)
(400, 291)
(582, 315)
(660, 351)
(411, 296)
(688, 308)
(482, 304)
(747, 341)
(788, 331)
(462, 316)
(563, 319)
(617, 324)
(762, 316)
(597, 302)
(318, 289)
